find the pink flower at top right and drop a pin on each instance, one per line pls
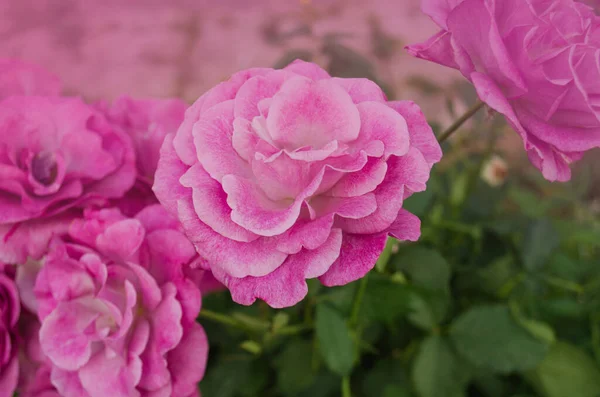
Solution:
(537, 62)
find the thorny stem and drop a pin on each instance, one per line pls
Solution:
(460, 121)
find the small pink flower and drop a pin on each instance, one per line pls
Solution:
(20, 78)
(282, 175)
(117, 312)
(10, 309)
(56, 155)
(535, 62)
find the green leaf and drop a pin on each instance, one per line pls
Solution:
(326, 384)
(430, 273)
(384, 300)
(437, 370)
(422, 313)
(387, 372)
(541, 239)
(489, 337)
(396, 391)
(537, 329)
(294, 370)
(496, 274)
(335, 343)
(566, 372)
(229, 376)
(425, 267)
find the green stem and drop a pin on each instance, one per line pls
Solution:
(346, 391)
(293, 329)
(220, 318)
(461, 120)
(358, 300)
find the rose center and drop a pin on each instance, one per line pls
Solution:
(44, 169)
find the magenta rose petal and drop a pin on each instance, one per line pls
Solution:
(286, 286)
(307, 113)
(170, 169)
(361, 90)
(406, 227)
(306, 233)
(357, 256)
(381, 123)
(62, 335)
(256, 258)
(187, 362)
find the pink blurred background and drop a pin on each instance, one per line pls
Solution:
(101, 49)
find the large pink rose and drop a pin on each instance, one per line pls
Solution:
(534, 61)
(56, 154)
(10, 309)
(117, 312)
(282, 175)
(20, 78)
(147, 122)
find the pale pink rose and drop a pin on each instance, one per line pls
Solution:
(283, 175)
(535, 62)
(117, 312)
(10, 309)
(20, 78)
(147, 122)
(56, 154)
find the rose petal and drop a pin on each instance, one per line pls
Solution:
(286, 286)
(307, 113)
(357, 256)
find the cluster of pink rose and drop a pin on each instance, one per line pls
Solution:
(116, 217)
(98, 292)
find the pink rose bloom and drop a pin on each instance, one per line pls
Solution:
(117, 313)
(56, 154)
(147, 122)
(283, 175)
(20, 78)
(9, 315)
(534, 61)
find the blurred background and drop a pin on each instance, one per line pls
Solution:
(495, 234)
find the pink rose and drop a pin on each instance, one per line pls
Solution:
(20, 78)
(147, 122)
(9, 315)
(117, 313)
(534, 61)
(282, 175)
(56, 154)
